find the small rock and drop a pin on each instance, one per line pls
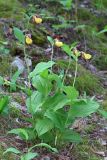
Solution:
(48, 50)
(17, 62)
(102, 142)
(92, 68)
(79, 124)
(16, 105)
(105, 83)
(46, 158)
(29, 62)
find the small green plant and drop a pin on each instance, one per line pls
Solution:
(47, 105)
(27, 156)
(12, 83)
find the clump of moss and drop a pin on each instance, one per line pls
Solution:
(99, 49)
(15, 112)
(99, 4)
(11, 9)
(38, 37)
(85, 81)
(104, 105)
(88, 82)
(84, 14)
(83, 151)
(105, 3)
(101, 62)
(90, 128)
(5, 65)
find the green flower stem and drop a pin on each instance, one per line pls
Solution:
(67, 70)
(28, 69)
(56, 140)
(76, 68)
(52, 55)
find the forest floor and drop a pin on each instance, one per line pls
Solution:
(81, 24)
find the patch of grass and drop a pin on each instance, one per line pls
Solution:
(94, 23)
(88, 82)
(99, 4)
(15, 112)
(85, 81)
(84, 14)
(104, 105)
(11, 9)
(90, 128)
(5, 65)
(100, 46)
(83, 151)
(101, 62)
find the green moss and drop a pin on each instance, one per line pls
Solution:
(1, 33)
(90, 128)
(85, 81)
(15, 112)
(99, 41)
(104, 105)
(99, 4)
(38, 35)
(105, 3)
(88, 82)
(84, 14)
(99, 48)
(83, 151)
(5, 65)
(101, 62)
(11, 9)
(94, 23)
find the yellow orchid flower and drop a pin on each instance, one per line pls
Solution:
(86, 56)
(58, 43)
(37, 20)
(28, 40)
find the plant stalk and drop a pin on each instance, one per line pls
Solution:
(76, 67)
